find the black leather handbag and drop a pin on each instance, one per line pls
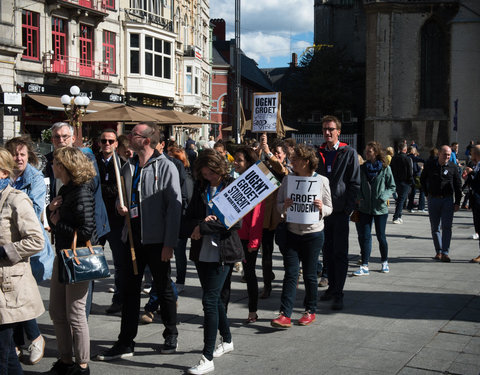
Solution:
(82, 263)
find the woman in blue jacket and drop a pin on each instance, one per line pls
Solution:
(376, 187)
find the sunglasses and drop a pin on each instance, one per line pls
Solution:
(110, 141)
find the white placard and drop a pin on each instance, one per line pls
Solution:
(242, 195)
(265, 112)
(13, 98)
(303, 191)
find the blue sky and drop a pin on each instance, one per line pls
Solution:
(270, 29)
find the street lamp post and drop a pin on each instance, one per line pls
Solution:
(75, 107)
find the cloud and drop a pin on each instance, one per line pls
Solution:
(269, 28)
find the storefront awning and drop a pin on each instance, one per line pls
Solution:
(53, 103)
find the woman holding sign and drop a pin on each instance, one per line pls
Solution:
(376, 187)
(250, 233)
(214, 250)
(304, 199)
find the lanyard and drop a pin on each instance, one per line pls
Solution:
(219, 188)
(136, 179)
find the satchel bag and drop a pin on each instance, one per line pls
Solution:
(355, 216)
(83, 263)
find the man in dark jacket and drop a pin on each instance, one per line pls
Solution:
(443, 187)
(106, 166)
(339, 163)
(402, 170)
(473, 181)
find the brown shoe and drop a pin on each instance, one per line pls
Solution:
(445, 258)
(147, 318)
(323, 282)
(438, 256)
(475, 260)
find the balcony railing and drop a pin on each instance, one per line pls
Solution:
(149, 18)
(75, 66)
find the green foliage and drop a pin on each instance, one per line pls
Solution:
(46, 135)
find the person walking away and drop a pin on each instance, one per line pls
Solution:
(402, 170)
(21, 237)
(442, 185)
(339, 163)
(376, 187)
(71, 213)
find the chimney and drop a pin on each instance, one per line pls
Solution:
(218, 29)
(294, 62)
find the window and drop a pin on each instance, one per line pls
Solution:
(157, 57)
(109, 4)
(197, 73)
(135, 53)
(185, 31)
(188, 80)
(109, 42)
(59, 45)
(59, 37)
(177, 21)
(31, 35)
(86, 51)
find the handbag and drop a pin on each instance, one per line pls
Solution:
(83, 263)
(281, 235)
(355, 216)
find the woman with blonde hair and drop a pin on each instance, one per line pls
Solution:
(20, 237)
(71, 212)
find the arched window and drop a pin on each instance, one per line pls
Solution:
(185, 30)
(434, 67)
(177, 21)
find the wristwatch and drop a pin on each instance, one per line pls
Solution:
(269, 155)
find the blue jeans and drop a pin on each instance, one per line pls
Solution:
(364, 230)
(181, 260)
(303, 249)
(440, 212)
(335, 251)
(153, 301)
(9, 363)
(30, 327)
(212, 277)
(402, 193)
(411, 199)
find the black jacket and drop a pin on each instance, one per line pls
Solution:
(77, 212)
(108, 183)
(441, 180)
(402, 169)
(230, 246)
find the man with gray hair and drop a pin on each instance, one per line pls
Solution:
(402, 170)
(443, 187)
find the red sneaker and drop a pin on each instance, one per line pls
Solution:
(306, 319)
(281, 321)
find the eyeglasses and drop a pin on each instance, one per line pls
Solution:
(63, 137)
(110, 141)
(329, 129)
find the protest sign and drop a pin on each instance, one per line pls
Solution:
(265, 113)
(242, 195)
(303, 191)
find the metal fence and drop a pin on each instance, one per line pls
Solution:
(317, 139)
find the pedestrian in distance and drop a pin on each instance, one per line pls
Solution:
(402, 170)
(443, 187)
(376, 187)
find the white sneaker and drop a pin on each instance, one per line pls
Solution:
(223, 348)
(238, 267)
(36, 350)
(180, 288)
(398, 221)
(204, 366)
(475, 236)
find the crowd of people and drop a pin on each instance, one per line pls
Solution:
(166, 201)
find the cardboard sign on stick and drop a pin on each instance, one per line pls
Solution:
(265, 112)
(303, 191)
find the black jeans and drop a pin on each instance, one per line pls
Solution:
(212, 277)
(250, 276)
(402, 193)
(9, 363)
(335, 251)
(267, 254)
(151, 255)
